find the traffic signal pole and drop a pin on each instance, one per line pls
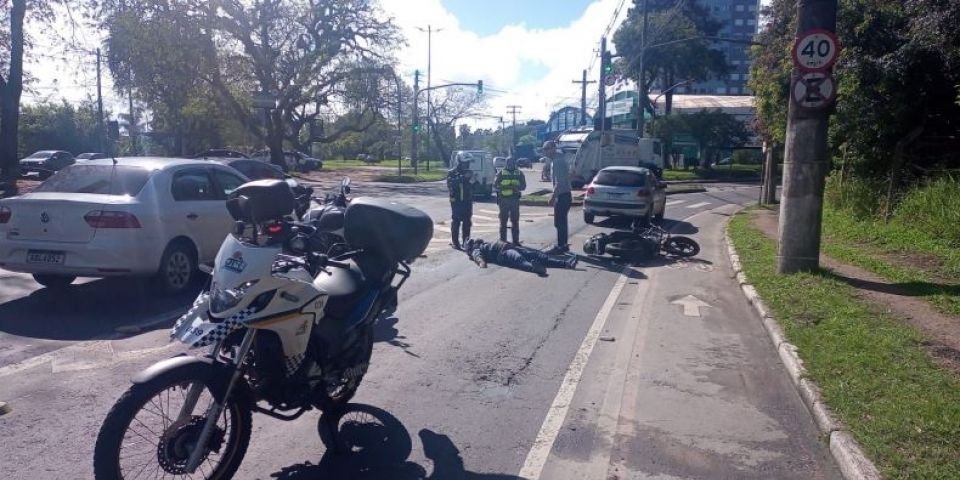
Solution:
(604, 70)
(415, 126)
(642, 84)
(806, 160)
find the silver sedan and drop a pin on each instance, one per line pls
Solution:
(624, 191)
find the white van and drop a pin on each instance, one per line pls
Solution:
(481, 164)
(613, 148)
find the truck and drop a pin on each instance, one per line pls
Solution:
(620, 148)
(481, 164)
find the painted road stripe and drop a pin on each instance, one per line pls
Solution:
(543, 444)
(698, 205)
(674, 202)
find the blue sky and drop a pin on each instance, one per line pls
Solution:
(486, 17)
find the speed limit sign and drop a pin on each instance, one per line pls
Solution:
(816, 50)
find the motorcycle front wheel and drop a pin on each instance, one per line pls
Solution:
(146, 433)
(681, 247)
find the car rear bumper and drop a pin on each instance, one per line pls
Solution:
(613, 208)
(93, 259)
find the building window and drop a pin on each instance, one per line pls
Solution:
(752, 8)
(734, 76)
(751, 21)
(739, 8)
(721, 90)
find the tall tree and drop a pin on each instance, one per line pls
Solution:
(691, 58)
(11, 87)
(300, 53)
(449, 106)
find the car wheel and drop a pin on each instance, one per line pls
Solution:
(178, 267)
(53, 281)
(588, 218)
(659, 217)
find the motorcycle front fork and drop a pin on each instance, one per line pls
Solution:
(216, 408)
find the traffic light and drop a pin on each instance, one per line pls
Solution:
(416, 128)
(479, 87)
(607, 61)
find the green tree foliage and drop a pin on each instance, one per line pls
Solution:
(311, 56)
(58, 126)
(669, 20)
(713, 130)
(898, 77)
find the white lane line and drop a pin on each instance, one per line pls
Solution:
(674, 202)
(698, 205)
(543, 444)
(491, 212)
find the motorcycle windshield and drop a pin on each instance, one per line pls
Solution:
(238, 262)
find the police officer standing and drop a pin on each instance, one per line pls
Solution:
(508, 184)
(460, 183)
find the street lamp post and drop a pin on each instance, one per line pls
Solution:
(430, 30)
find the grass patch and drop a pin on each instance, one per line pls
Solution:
(353, 163)
(409, 177)
(721, 172)
(864, 243)
(874, 374)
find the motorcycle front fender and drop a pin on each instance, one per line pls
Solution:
(216, 375)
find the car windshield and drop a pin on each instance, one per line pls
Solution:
(98, 179)
(619, 178)
(42, 154)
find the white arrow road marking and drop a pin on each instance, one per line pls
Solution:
(674, 202)
(691, 305)
(698, 205)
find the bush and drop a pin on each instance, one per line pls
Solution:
(863, 198)
(934, 209)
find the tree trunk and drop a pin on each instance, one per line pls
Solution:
(895, 170)
(275, 138)
(668, 100)
(770, 175)
(10, 91)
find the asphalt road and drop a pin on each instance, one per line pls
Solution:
(607, 371)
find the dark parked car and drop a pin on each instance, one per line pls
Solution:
(293, 160)
(220, 153)
(46, 162)
(91, 156)
(258, 170)
(523, 162)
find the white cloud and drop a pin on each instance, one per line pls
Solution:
(458, 55)
(498, 59)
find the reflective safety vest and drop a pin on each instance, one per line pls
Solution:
(509, 183)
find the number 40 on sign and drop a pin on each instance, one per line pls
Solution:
(816, 50)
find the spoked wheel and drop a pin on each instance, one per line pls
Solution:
(629, 249)
(368, 434)
(146, 434)
(681, 247)
(341, 385)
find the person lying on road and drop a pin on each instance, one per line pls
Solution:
(514, 256)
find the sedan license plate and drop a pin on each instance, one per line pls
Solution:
(46, 257)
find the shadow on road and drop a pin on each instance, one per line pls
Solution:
(366, 442)
(385, 330)
(89, 310)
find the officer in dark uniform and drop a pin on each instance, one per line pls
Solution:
(460, 183)
(515, 256)
(508, 184)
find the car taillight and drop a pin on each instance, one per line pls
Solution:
(111, 219)
(591, 190)
(5, 214)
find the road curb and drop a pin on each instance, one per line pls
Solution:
(852, 461)
(152, 322)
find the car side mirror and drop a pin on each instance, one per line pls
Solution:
(661, 184)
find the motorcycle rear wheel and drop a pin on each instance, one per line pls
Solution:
(157, 403)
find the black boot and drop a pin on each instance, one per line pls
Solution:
(455, 235)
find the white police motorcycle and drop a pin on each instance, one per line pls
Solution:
(288, 330)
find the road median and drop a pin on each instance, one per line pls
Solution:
(872, 390)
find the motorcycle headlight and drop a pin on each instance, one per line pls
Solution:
(223, 299)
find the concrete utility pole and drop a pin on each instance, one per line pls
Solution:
(769, 190)
(430, 31)
(642, 84)
(583, 97)
(99, 108)
(805, 160)
(602, 107)
(513, 111)
(132, 127)
(415, 126)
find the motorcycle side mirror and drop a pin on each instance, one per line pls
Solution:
(239, 227)
(346, 189)
(345, 182)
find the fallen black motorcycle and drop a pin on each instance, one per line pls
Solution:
(643, 243)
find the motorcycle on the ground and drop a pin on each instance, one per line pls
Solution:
(641, 243)
(288, 330)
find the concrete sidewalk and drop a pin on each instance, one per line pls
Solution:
(687, 385)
